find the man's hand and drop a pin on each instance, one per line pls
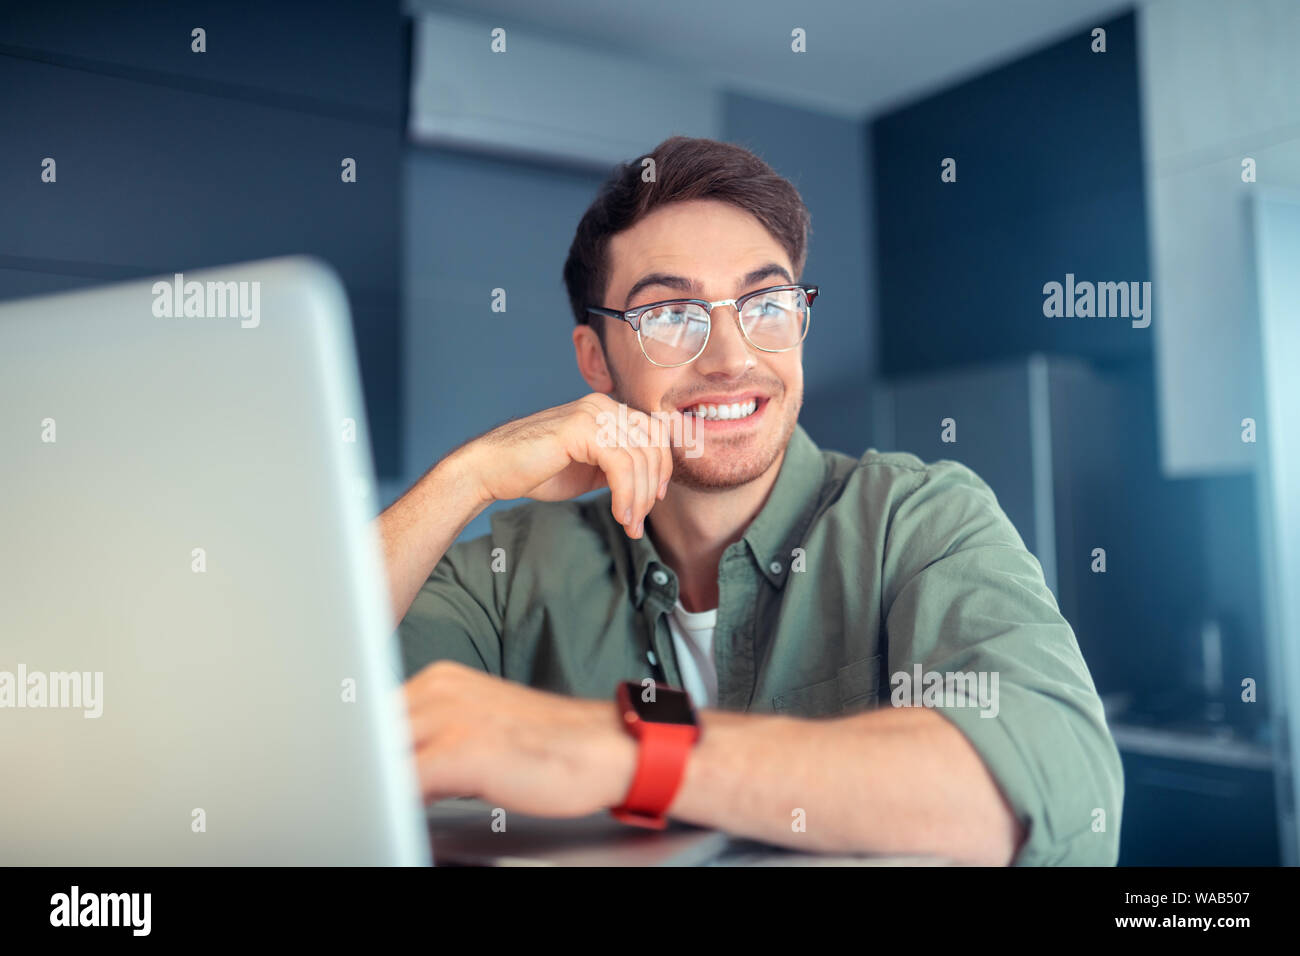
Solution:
(565, 451)
(515, 747)
(552, 455)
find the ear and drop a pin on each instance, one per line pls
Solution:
(591, 359)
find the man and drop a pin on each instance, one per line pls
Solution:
(799, 596)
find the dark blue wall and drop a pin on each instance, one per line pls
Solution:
(1049, 181)
(171, 160)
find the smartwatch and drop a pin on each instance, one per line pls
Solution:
(662, 721)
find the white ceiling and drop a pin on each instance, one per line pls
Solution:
(864, 56)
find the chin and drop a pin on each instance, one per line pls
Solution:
(721, 468)
(704, 475)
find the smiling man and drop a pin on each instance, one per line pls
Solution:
(728, 634)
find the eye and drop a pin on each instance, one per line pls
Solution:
(674, 314)
(768, 306)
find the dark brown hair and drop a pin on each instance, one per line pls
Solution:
(685, 168)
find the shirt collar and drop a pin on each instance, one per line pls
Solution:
(780, 526)
(776, 530)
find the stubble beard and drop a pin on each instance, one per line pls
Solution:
(727, 463)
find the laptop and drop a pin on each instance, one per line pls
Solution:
(197, 664)
(196, 659)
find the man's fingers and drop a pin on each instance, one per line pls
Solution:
(624, 468)
(638, 444)
(621, 475)
(437, 772)
(664, 444)
(654, 462)
(640, 481)
(659, 437)
(644, 489)
(639, 465)
(593, 445)
(646, 438)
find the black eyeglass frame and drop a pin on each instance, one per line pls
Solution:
(633, 318)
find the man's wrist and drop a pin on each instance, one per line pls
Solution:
(611, 751)
(457, 477)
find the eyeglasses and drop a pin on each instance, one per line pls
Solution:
(675, 332)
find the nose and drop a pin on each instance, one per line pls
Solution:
(727, 354)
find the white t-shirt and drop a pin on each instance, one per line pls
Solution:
(693, 641)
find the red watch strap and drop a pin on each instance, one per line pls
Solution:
(660, 769)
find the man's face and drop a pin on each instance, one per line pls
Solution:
(717, 251)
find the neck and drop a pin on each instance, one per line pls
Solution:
(691, 528)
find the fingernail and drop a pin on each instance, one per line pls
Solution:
(663, 488)
(640, 527)
(627, 515)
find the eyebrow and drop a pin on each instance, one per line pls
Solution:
(682, 284)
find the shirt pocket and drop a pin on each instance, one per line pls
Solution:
(853, 688)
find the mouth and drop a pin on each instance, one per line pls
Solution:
(728, 411)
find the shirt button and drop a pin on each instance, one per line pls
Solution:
(775, 567)
(659, 577)
(650, 656)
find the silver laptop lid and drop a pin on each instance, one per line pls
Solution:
(196, 656)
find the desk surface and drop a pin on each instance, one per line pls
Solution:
(751, 853)
(471, 832)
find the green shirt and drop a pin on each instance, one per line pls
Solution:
(854, 574)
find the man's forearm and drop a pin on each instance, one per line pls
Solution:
(418, 528)
(895, 780)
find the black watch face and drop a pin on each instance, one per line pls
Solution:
(667, 706)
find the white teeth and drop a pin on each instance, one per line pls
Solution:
(724, 412)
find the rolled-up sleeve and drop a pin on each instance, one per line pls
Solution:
(455, 615)
(963, 595)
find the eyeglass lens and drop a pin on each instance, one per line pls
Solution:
(675, 333)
